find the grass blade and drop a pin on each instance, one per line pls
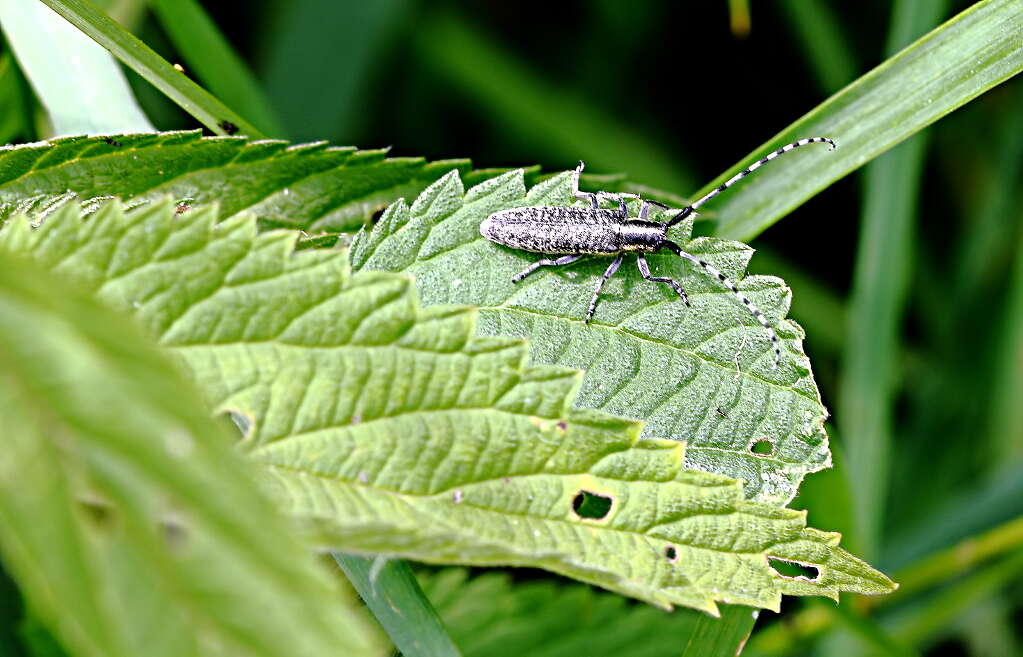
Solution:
(826, 48)
(1007, 418)
(15, 110)
(192, 98)
(721, 637)
(542, 114)
(81, 86)
(941, 71)
(880, 286)
(210, 55)
(390, 590)
(309, 31)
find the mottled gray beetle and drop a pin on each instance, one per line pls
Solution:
(578, 232)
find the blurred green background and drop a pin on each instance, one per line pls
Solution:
(907, 275)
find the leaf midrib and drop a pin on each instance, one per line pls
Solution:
(564, 521)
(649, 340)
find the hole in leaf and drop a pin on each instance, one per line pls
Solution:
(98, 514)
(790, 569)
(671, 553)
(763, 447)
(375, 217)
(175, 533)
(242, 423)
(591, 505)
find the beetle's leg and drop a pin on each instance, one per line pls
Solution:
(775, 341)
(586, 196)
(563, 260)
(644, 211)
(644, 270)
(600, 284)
(617, 198)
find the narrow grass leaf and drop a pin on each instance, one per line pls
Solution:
(944, 69)
(1006, 413)
(721, 637)
(340, 79)
(825, 46)
(884, 260)
(392, 593)
(208, 53)
(540, 112)
(15, 106)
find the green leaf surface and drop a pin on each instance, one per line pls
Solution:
(80, 84)
(388, 427)
(208, 110)
(703, 375)
(944, 69)
(314, 187)
(128, 522)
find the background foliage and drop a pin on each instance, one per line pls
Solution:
(912, 297)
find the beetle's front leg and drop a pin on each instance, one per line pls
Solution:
(585, 196)
(563, 260)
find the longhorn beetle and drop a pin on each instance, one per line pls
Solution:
(578, 232)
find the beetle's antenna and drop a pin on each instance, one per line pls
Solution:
(727, 282)
(745, 172)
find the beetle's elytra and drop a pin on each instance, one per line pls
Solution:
(574, 233)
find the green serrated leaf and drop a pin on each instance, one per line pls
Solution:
(312, 187)
(703, 375)
(128, 522)
(391, 428)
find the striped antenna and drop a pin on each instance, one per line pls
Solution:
(727, 282)
(745, 172)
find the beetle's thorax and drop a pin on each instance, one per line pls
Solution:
(640, 235)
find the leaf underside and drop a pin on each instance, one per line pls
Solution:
(389, 427)
(703, 375)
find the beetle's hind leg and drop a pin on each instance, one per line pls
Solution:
(644, 270)
(600, 285)
(563, 260)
